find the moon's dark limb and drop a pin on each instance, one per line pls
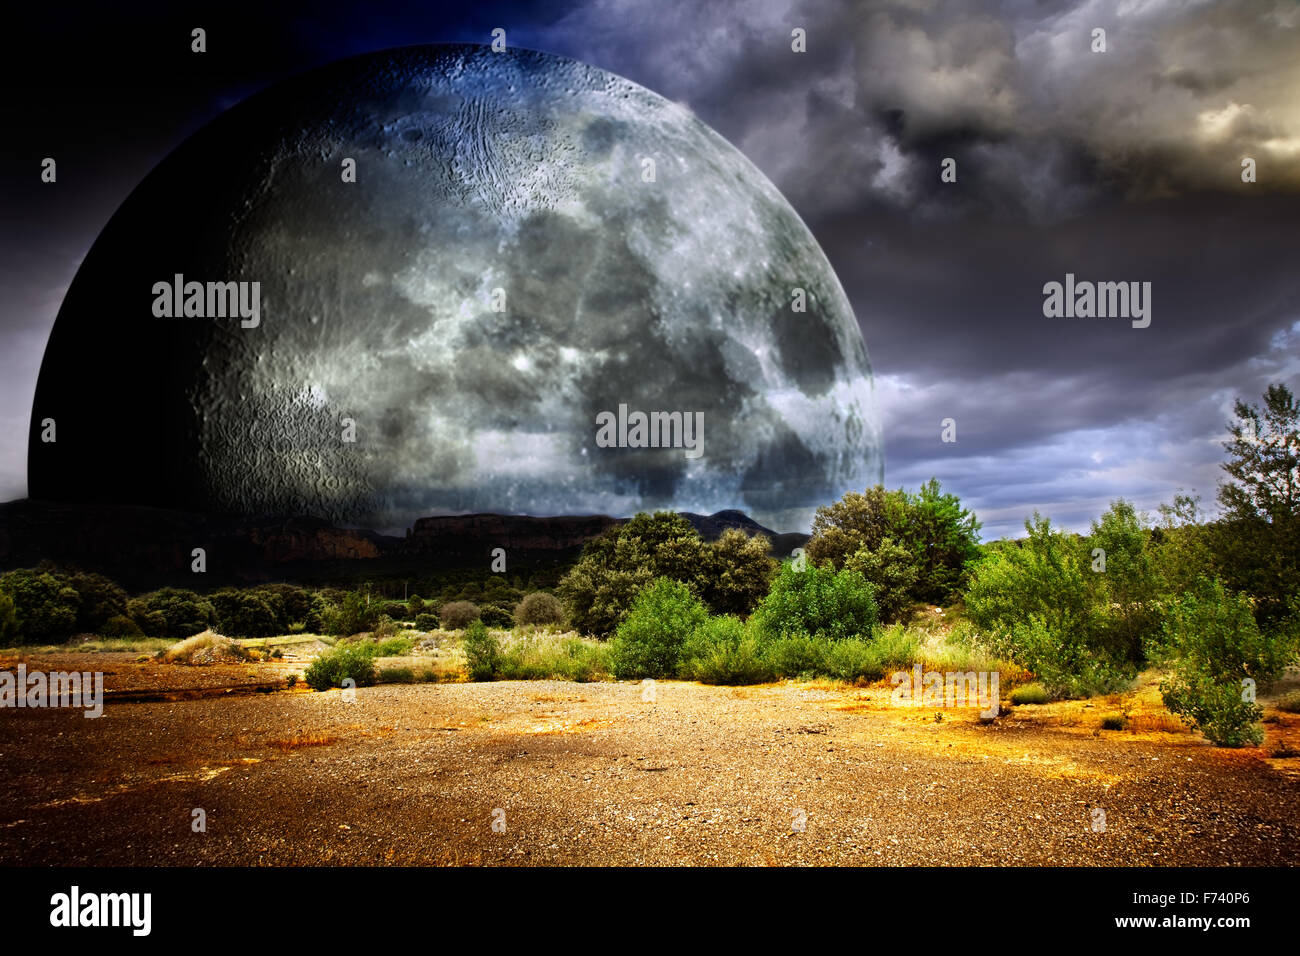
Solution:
(500, 272)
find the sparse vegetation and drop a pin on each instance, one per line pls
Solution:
(353, 661)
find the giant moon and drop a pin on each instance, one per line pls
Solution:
(529, 241)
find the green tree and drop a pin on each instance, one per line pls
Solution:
(892, 572)
(599, 589)
(941, 537)
(1257, 543)
(1118, 544)
(738, 571)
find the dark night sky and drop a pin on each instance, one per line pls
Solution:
(1122, 165)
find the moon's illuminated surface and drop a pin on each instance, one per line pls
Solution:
(475, 171)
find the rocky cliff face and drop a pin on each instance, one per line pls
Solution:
(476, 535)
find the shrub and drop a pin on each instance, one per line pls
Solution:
(600, 589)
(355, 661)
(539, 608)
(120, 626)
(1114, 722)
(1213, 646)
(244, 614)
(1042, 606)
(738, 571)
(852, 660)
(648, 643)
(183, 613)
(1034, 693)
(426, 622)
(937, 533)
(414, 605)
(895, 646)
(396, 675)
(8, 621)
(721, 650)
(892, 572)
(100, 599)
(45, 604)
(394, 647)
(820, 602)
(1290, 702)
(796, 655)
(496, 615)
(482, 652)
(395, 609)
(354, 614)
(458, 614)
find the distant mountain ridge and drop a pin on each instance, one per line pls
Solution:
(147, 547)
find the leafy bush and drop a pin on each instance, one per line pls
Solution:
(853, 660)
(396, 675)
(393, 647)
(539, 608)
(354, 614)
(100, 599)
(649, 641)
(1290, 702)
(938, 535)
(1114, 722)
(331, 669)
(893, 574)
(120, 626)
(495, 615)
(181, 612)
(395, 609)
(796, 655)
(721, 650)
(44, 602)
(482, 652)
(820, 602)
(1041, 605)
(8, 621)
(244, 614)
(1034, 693)
(1212, 646)
(730, 574)
(458, 614)
(414, 605)
(427, 622)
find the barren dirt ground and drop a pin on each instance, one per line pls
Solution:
(594, 774)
